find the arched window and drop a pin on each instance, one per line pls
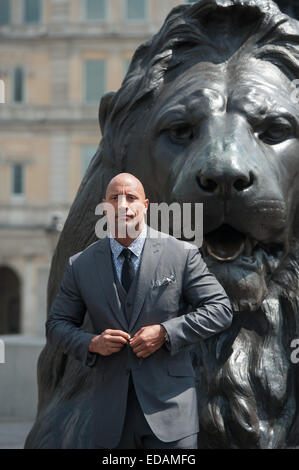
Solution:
(9, 301)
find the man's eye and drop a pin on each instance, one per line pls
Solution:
(181, 133)
(276, 133)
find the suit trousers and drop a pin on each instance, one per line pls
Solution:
(137, 433)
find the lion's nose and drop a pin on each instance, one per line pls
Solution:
(225, 184)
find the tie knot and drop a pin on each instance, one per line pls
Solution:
(127, 253)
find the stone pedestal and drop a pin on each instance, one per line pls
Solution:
(18, 390)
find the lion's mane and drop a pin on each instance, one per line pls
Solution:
(247, 386)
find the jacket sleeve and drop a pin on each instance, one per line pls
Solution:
(211, 309)
(65, 318)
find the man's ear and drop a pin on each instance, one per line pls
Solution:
(105, 108)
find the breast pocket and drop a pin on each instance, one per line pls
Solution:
(166, 291)
(164, 280)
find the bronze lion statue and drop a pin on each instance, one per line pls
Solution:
(207, 113)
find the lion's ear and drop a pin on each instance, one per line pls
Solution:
(104, 109)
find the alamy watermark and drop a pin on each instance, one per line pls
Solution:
(295, 353)
(182, 221)
(2, 352)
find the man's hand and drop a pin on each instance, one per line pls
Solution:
(148, 340)
(108, 342)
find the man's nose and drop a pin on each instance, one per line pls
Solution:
(226, 170)
(122, 203)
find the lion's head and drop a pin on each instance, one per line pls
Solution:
(208, 113)
(216, 124)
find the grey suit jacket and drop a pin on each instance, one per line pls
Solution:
(173, 279)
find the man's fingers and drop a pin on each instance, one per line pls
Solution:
(140, 350)
(116, 339)
(114, 347)
(143, 353)
(144, 356)
(118, 333)
(136, 342)
(138, 347)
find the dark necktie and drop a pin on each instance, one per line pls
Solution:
(128, 273)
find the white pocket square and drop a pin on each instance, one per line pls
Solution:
(164, 281)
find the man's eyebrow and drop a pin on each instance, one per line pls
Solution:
(121, 194)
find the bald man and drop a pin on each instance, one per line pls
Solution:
(150, 299)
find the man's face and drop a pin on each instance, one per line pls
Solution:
(125, 207)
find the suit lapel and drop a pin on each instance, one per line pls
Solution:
(150, 259)
(105, 270)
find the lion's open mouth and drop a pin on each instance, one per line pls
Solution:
(226, 244)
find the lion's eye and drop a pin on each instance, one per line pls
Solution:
(181, 133)
(276, 133)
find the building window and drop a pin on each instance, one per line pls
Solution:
(18, 85)
(87, 153)
(96, 10)
(136, 10)
(18, 173)
(10, 296)
(5, 12)
(32, 11)
(95, 80)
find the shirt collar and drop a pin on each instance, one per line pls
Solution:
(136, 246)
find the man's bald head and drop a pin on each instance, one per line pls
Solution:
(125, 180)
(125, 206)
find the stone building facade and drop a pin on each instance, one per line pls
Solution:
(57, 58)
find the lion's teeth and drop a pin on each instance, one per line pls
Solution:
(222, 256)
(229, 248)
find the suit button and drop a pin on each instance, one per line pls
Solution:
(127, 371)
(129, 304)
